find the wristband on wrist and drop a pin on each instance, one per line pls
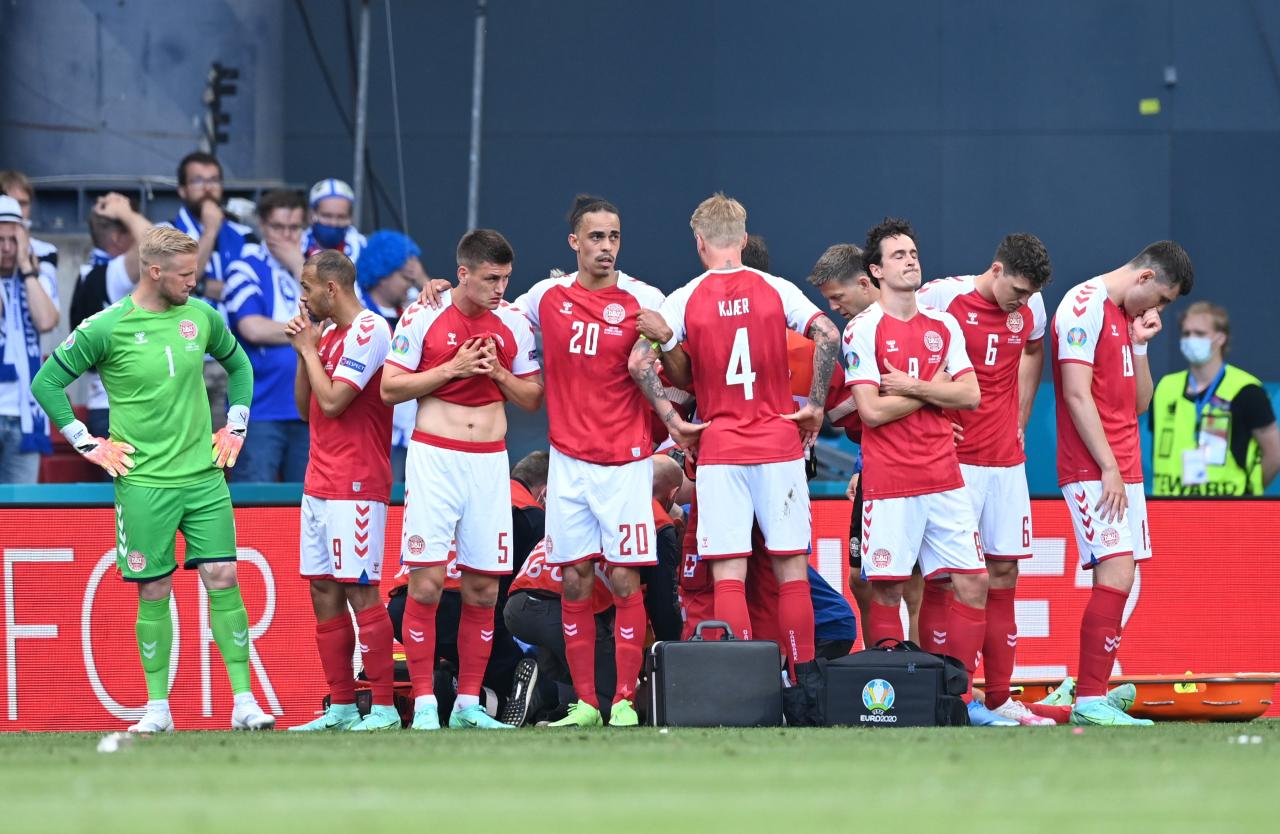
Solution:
(1140, 350)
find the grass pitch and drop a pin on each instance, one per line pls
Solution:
(1171, 778)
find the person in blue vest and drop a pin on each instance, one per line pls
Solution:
(1213, 426)
(262, 295)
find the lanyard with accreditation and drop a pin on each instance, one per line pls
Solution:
(1211, 437)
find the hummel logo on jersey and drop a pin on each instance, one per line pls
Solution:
(570, 630)
(453, 340)
(241, 638)
(1110, 644)
(567, 308)
(892, 345)
(148, 650)
(486, 634)
(972, 318)
(140, 338)
(1114, 332)
(416, 636)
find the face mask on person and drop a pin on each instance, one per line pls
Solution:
(330, 237)
(1196, 349)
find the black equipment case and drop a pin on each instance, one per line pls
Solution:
(713, 683)
(895, 685)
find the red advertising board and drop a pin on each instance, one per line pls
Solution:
(1206, 603)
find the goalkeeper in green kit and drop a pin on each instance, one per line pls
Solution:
(149, 349)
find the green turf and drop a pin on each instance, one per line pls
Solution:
(1173, 778)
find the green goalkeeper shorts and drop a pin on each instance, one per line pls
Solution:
(148, 520)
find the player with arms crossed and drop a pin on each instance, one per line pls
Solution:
(149, 351)
(1003, 320)
(1102, 383)
(732, 322)
(461, 362)
(347, 488)
(599, 485)
(915, 507)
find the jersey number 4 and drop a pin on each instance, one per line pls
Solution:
(739, 371)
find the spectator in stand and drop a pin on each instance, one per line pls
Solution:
(28, 307)
(220, 242)
(16, 185)
(111, 273)
(1214, 429)
(390, 275)
(262, 294)
(332, 203)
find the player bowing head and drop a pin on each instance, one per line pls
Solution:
(1159, 275)
(1019, 270)
(168, 259)
(843, 281)
(595, 233)
(485, 262)
(326, 276)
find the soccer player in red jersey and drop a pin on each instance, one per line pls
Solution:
(916, 509)
(1102, 382)
(462, 362)
(732, 322)
(1001, 314)
(601, 473)
(347, 486)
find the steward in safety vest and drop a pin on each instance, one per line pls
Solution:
(1213, 426)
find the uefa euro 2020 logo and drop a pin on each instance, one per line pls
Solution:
(877, 697)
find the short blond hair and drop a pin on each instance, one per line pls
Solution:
(719, 220)
(160, 243)
(1218, 317)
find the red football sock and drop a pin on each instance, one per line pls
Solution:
(731, 606)
(629, 628)
(580, 647)
(1100, 633)
(966, 627)
(884, 622)
(795, 620)
(999, 645)
(419, 632)
(376, 635)
(475, 642)
(933, 617)
(336, 640)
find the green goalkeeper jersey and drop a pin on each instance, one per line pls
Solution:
(152, 366)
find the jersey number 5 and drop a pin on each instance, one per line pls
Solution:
(739, 371)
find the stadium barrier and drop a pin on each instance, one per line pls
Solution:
(1205, 603)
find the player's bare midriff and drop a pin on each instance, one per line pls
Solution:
(472, 423)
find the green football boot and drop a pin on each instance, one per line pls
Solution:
(336, 717)
(581, 714)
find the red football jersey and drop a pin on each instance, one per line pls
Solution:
(351, 453)
(595, 411)
(732, 323)
(915, 455)
(426, 338)
(994, 341)
(840, 406)
(1090, 329)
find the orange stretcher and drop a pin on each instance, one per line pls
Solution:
(1229, 697)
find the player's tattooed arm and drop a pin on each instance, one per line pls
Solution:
(826, 340)
(645, 374)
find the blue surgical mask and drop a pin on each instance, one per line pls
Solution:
(330, 237)
(1196, 349)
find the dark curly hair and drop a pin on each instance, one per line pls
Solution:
(889, 227)
(1025, 255)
